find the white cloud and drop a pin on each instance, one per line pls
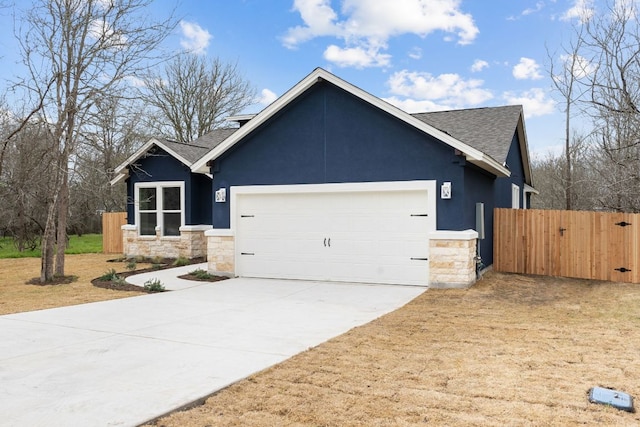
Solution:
(266, 97)
(527, 69)
(479, 65)
(419, 89)
(415, 53)
(581, 66)
(582, 10)
(528, 11)
(364, 25)
(535, 102)
(135, 81)
(531, 10)
(357, 57)
(195, 39)
(102, 30)
(417, 106)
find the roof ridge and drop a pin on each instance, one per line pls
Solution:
(466, 109)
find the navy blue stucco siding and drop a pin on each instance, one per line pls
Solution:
(160, 166)
(479, 189)
(503, 185)
(330, 136)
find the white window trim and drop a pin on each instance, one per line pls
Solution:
(515, 196)
(159, 185)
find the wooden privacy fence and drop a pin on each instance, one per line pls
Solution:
(111, 231)
(589, 245)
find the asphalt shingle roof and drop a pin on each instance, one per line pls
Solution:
(489, 130)
(195, 150)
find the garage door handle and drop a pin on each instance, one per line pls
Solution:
(247, 253)
(419, 259)
(327, 242)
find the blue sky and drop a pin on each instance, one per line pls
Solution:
(420, 55)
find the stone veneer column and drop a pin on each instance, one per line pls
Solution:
(193, 243)
(220, 252)
(452, 262)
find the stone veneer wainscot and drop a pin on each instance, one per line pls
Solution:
(190, 244)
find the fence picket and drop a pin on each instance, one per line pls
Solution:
(112, 232)
(578, 244)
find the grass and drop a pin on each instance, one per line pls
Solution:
(16, 296)
(86, 244)
(512, 350)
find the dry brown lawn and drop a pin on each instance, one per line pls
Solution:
(16, 296)
(512, 350)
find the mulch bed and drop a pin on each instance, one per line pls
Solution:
(158, 264)
(57, 280)
(200, 279)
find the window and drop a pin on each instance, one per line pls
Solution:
(160, 204)
(515, 196)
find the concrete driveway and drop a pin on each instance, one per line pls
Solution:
(124, 362)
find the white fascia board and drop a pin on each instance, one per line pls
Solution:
(135, 156)
(146, 147)
(524, 150)
(529, 189)
(119, 178)
(475, 156)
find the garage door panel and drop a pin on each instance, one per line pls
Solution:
(343, 236)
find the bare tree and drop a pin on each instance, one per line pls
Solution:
(567, 71)
(76, 52)
(23, 181)
(113, 132)
(192, 96)
(611, 42)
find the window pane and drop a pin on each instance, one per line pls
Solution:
(171, 198)
(172, 222)
(147, 199)
(147, 224)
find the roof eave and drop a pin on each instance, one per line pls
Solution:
(120, 177)
(490, 165)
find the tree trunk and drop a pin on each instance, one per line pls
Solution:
(48, 245)
(63, 209)
(567, 152)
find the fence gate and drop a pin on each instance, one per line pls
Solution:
(112, 232)
(588, 245)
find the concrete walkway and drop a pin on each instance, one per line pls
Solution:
(124, 362)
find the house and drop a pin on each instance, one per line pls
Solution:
(332, 183)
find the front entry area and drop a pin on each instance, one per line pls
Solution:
(355, 232)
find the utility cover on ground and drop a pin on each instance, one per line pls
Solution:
(614, 398)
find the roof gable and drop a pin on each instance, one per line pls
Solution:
(185, 153)
(472, 154)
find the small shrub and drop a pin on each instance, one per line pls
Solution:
(154, 285)
(201, 274)
(110, 276)
(156, 260)
(156, 266)
(181, 261)
(131, 265)
(119, 281)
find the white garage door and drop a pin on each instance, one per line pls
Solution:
(371, 233)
